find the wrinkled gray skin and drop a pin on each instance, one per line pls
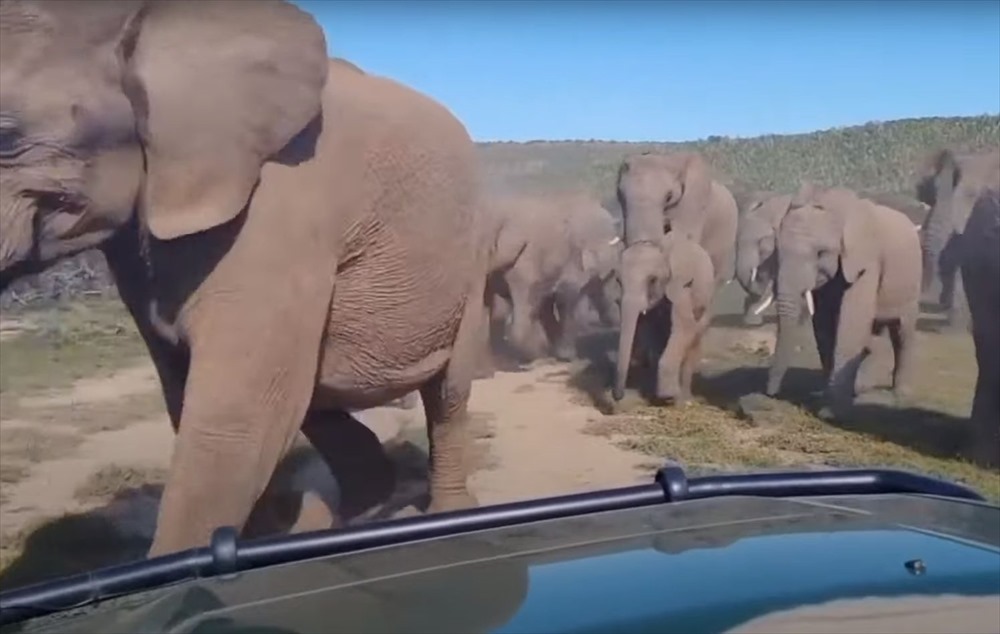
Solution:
(669, 288)
(551, 252)
(860, 265)
(756, 256)
(950, 183)
(980, 268)
(294, 238)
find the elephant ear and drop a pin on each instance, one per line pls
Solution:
(859, 239)
(697, 179)
(218, 88)
(774, 209)
(805, 195)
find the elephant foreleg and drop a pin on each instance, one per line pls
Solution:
(244, 401)
(683, 330)
(566, 303)
(854, 328)
(827, 300)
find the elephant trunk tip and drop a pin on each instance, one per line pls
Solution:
(617, 393)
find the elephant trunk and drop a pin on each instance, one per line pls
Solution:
(937, 229)
(794, 284)
(633, 304)
(748, 269)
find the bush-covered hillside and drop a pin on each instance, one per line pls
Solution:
(875, 158)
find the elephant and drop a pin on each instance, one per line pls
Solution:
(857, 267)
(756, 259)
(195, 143)
(549, 253)
(676, 192)
(980, 267)
(950, 183)
(667, 290)
(756, 256)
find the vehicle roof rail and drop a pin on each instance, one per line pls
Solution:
(226, 554)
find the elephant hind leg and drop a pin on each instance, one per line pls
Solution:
(364, 474)
(446, 403)
(903, 334)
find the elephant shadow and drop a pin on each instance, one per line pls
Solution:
(121, 529)
(929, 432)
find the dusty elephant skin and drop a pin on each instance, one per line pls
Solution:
(981, 275)
(549, 254)
(677, 193)
(950, 183)
(856, 266)
(678, 272)
(293, 237)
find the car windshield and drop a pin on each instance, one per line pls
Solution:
(519, 250)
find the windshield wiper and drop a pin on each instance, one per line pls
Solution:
(226, 555)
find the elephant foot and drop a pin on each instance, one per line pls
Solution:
(452, 502)
(564, 352)
(670, 395)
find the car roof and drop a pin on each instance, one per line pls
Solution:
(696, 566)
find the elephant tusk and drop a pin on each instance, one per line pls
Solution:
(918, 227)
(753, 275)
(763, 307)
(809, 303)
(614, 241)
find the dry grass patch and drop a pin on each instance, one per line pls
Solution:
(111, 480)
(31, 445)
(89, 418)
(704, 435)
(70, 341)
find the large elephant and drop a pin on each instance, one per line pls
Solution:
(676, 192)
(667, 290)
(856, 266)
(550, 252)
(950, 183)
(293, 237)
(756, 255)
(980, 268)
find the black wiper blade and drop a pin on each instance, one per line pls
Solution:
(227, 555)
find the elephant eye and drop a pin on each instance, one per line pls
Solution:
(9, 138)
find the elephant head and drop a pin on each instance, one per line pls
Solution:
(949, 184)
(663, 192)
(827, 233)
(651, 273)
(756, 238)
(164, 111)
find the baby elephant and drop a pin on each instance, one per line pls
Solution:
(667, 290)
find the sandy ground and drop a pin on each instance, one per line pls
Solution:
(527, 415)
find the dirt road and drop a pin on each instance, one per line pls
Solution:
(531, 430)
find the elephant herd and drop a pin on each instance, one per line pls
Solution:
(296, 238)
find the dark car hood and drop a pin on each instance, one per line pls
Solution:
(698, 566)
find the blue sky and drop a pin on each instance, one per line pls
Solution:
(674, 71)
